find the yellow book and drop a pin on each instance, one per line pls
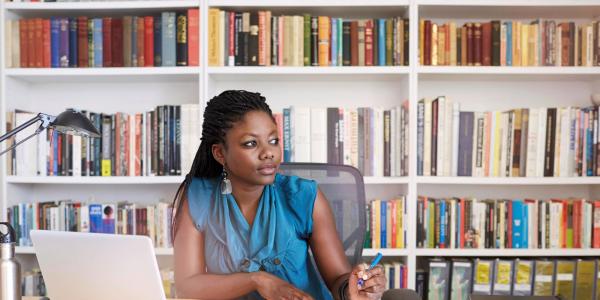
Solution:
(482, 279)
(565, 281)
(388, 228)
(544, 278)
(497, 142)
(421, 42)
(523, 277)
(434, 44)
(585, 277)
(323, 41)
(400, 223)
(532, 43)
(441, 45)
(525, 45)
(452, 61)
(503, 277)
(376, 228)
(516, 43)
(213, 36)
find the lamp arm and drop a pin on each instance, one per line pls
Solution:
(46, 122)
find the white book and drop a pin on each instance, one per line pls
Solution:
(26, 153)
(404, 135)
(318, 134)
(505, 145)
(427, 139)
(8, 43)
(441, 140)
(42, 153)
(498, 141)
(565, 133)
(301, 133)
(532, 143)
(478, 129)
(76, 158)
(492, 144)
(393, 155)
(455, 131)
(354, 137)
(448, 129)
(15, 43)
(144, 144)
(557, 140)
(541, 142)
(558, 43)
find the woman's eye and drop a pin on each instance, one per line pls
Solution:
(250, 144)
(274, 141)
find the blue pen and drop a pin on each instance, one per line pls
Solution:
(374, 263)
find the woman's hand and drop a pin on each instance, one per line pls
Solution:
(272, 287)
(373, 283)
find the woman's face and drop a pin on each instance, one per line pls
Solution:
(252, 153)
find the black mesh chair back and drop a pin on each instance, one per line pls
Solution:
(344, 188)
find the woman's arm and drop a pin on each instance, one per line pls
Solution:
(192, 280)
(327, 248)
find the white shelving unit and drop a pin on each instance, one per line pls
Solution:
(476, 88)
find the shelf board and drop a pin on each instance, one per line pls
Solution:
(307, 73)
(97, 5)
(508, 73)
(385, 252)
(31, 250)
(104, 74)
(147, 180)
(508, 180)
(95, 179)
(306, 3)
(507, 252)
(509, 9)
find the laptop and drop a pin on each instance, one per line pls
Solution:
(95, 266)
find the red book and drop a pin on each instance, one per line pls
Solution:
(117, 42)
(354, 43)
(82, 42)
(470, 45)
(462, 223)
(38, 43)
(141, 30)
(106, 42)
(149, 41)
(565, 217)
(427, 43)
(369, 43)
(477, 51)
(486, 44)
(509, 225)
(261, 38)
(23, 42)
(138, 145)
(577, 219)
(596, 224)
(46, 43)
(193, 36)
(31, 43)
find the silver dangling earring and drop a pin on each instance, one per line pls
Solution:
(225, 184)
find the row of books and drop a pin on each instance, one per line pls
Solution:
(159, 142)
(373, 140)
(509, 43)
(66, 215)
(386, 223)
(506, 223)
(522, 142)
(261, 39)
(457, 279)
(168, 39)
(396, 274)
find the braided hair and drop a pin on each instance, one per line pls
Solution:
(220, 114)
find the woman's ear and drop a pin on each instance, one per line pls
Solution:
(218, 154)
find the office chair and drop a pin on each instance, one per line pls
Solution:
(345, 190)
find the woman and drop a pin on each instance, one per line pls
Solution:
(242, 231)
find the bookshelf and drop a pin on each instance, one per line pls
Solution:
(476, 88)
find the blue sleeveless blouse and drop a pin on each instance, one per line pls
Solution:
(277, 242)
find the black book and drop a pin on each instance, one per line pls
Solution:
(245, 39)
(406, 33)
(332, 130)
(181, 39)
(238, 36)
(178, 140)
(495, 43)
(253, 40)
(274, 41)
(346, 43)
(375, 42)
(549, 147)
(314, 41)
(157, 41)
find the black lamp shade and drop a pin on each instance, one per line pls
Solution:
(73, 122)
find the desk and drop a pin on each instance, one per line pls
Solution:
(38, 298)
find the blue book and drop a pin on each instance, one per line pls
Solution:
(590, 146)
(509, 54)
(383, 223)
(443, 223)
(340, 41)
(108, 218)
(168, 39)
(96, 218)
(517, 228)
(54, 42)
(63, 45)
(287, 142)
(157, 41)
(334, 37)
(97, 33)
(72, 42)
(55, 152)
(381, 42)
(525, 227)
